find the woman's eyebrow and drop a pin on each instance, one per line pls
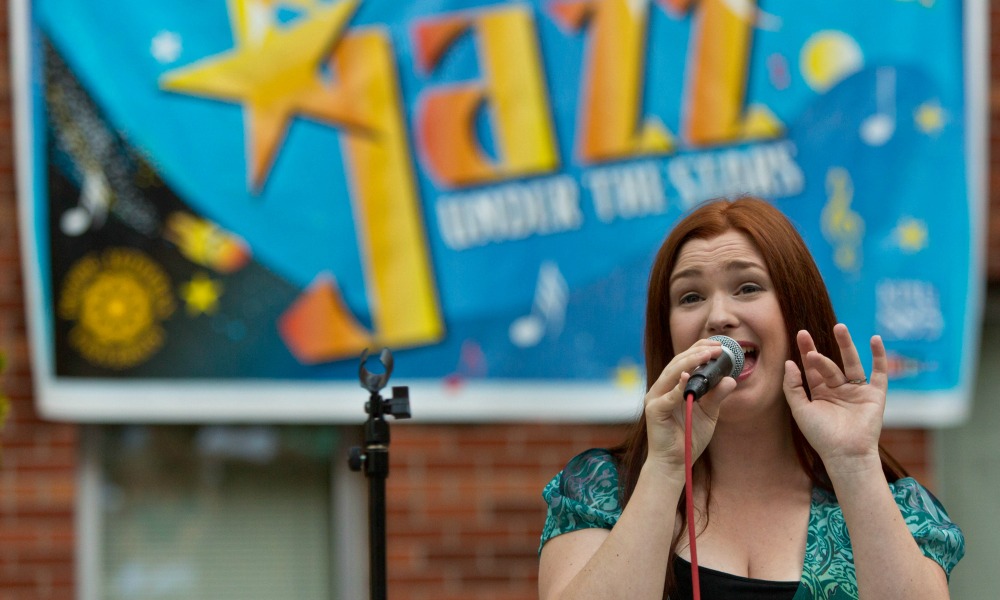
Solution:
(689, 272)
(733, 265)
(743, 265)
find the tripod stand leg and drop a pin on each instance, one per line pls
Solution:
(379, 460)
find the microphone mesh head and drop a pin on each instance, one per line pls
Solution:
(735, 352)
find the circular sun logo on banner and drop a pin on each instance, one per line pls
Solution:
(118, 300)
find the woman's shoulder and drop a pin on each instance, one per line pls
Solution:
(591, 462)
(590, 475)
(938, 537)
(583, 495)
(912, 497)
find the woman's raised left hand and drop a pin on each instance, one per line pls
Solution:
(843, 420)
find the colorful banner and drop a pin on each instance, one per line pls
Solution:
(225, 203)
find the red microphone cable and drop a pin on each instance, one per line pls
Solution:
(731, 360)
(689, 494)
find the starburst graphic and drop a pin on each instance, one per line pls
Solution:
(117, 301)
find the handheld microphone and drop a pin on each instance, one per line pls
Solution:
(706, 376)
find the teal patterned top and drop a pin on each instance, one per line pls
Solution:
(585, 495)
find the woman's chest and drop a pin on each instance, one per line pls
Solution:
(755, 540)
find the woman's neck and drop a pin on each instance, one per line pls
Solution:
(754, 454)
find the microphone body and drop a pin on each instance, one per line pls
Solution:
(706, 376)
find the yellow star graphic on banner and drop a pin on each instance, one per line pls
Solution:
(911, 234)
(627, 375)
(273, 71)
(930, 117)
(201, 294)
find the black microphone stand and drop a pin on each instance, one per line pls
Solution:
(375, 460)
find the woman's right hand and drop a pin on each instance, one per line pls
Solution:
(664, 408)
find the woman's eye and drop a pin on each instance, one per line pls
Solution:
(688, 298)
(749, 288)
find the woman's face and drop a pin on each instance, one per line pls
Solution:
(721, 286)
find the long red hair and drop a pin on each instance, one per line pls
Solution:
(802, 297)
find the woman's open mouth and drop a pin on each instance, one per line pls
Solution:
(750, 353)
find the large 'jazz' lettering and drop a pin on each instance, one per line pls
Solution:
(608, 124)
(512, 85)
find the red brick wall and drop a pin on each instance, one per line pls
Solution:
(465, 509)
(464, 501)
(37, 477)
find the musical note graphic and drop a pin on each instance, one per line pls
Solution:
(92, 210)
(879, 128)
(842, 227)
(778, 72)
(548, 311)
(472, 363)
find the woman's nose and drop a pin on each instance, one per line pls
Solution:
(721, 316)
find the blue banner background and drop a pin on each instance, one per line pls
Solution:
(549, 307)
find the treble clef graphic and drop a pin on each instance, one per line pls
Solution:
(842, 227)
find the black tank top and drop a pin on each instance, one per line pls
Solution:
(716, 585)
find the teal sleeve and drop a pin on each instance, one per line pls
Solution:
(938, 537)
(583, 495)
